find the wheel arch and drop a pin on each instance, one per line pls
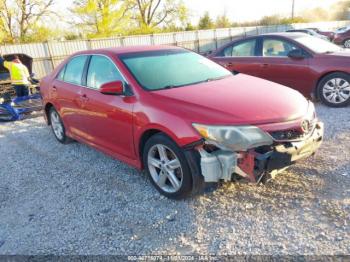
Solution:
(148, 133)
(47, 108)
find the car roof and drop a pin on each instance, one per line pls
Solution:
(292, 35)
(128, 49)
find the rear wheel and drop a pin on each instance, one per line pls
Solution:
(167, 167)
(334, 90)
(58, 127)
(347, 43)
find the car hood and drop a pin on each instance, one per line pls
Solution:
(239, 99)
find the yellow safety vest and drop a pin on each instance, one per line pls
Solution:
(18, 72)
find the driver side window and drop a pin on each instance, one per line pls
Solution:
(277, 48)
(102, 70)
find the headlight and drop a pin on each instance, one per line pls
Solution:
(235, 138)
(2, 100)
(311, 112)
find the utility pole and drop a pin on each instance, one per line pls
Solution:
(293, 6)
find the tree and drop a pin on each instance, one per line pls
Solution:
(205, 22)
(190, 27)
(270, 20)
(21, 17)
(153, 13)
(101, 18)
(341, 10)
(222, 21)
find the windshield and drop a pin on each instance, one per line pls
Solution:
(156, 70)
(318, 45)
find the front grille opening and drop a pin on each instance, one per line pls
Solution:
(287, 135)
(210, 148)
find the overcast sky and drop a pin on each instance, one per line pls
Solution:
(242, 10)
(248, 10)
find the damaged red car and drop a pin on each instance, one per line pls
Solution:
(182, 118)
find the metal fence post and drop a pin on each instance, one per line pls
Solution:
(216, 39)
(47, 43)
(174, 39)
(88, 44)
(197, 41)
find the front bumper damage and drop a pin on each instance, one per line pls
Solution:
(258, 163)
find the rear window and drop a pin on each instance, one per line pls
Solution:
(74, 70)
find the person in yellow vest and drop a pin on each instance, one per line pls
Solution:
(19, 75)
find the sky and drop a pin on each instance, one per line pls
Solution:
(242, 10)
(251, 10)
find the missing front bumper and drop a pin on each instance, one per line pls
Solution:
(254, 164)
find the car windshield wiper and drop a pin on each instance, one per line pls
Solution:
(215, 78)
(167, 87)
(195, 83)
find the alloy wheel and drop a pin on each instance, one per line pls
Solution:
(336, 90)
(57, 125)
(347, 44)
(165, 168)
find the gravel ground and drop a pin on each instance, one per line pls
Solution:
(57, 199)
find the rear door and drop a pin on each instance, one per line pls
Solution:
(241, 57)
(276, 66)
(107, 119)
(65, 91)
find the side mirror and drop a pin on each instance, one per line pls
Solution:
(113, 88)
(296, 54)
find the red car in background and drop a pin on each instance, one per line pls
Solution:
(314, 67)
(342, 37)
(183, 118)
(329, 34)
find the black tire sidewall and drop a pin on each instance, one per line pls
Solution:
(186, 187)
(65, 138)
(324, 81)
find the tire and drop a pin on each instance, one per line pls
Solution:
(334, 90)
(167, 167)
(347, 43)
(57, 127)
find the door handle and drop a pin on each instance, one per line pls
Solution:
(84, 98)
(265, 65)
(230, 64)
(54, 88)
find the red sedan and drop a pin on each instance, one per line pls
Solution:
(315, 67)
(183, 118)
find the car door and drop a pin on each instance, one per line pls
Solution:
(241, 57)
(276, 66)
(65, 91)
(107, 119)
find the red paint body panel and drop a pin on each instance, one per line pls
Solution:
(115, 124)
(300, 74)
(340, 38)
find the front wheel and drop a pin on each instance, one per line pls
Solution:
(167, 167)
(334, 90)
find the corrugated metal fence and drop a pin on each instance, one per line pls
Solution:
(49, 54)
